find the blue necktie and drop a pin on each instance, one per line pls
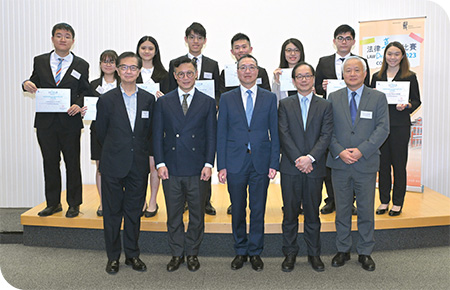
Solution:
(353, 108)
(304, 111)
(58, 72)
(249, 111)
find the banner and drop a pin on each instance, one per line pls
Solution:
(373, 38)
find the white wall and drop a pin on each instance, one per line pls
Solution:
(99, 24)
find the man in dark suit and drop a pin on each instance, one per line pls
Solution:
(123, 124)
(305, 125)
(248, 152)
(195, 37)
(184, 150)
(361, 125)
(60, 132)
(330, 67)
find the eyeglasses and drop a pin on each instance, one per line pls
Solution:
(111, 62)
(124, 67)
(292, 50)
(182, 74)
(306, 77)
(243, 68)
(193, 37)
(341, 38)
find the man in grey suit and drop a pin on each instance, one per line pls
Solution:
(361, 125)
(305, 125)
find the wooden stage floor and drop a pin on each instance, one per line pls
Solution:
(425, 209)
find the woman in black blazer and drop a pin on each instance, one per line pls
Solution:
(394, 152)
(109, 79)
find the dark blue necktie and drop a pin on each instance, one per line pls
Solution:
(249, 110)
(353, 108)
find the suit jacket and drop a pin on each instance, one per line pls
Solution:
(42, 77)
(233, 132)
(401, 118)
(296, 141)
(262, 75)
(209, 66)
(326, 69)
(122, 147)
(185, 142)
(367, 134)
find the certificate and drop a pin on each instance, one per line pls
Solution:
(334, 85)
(91, 104)
(286, 80)
(396, 92)
(231, 78)
(152, 88)
(52, 100)
(206, 87)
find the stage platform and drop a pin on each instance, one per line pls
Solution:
(425, 219)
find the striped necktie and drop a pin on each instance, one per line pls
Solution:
(184, 105)
(58, 71)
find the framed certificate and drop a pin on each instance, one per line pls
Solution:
(52, 100)
(91, 104)
(206, 87)
(231, 78)
(396, 92)
(286, 80)
(334, 85)
(152, 88)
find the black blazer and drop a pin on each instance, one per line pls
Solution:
(401, 118)
(326, 69)
(262, 74)
(42, 77)
(121, 147)
(163, 82)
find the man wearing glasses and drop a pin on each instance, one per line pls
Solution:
(123, 124)
(184, 142)
(330, 67)
(248, 153)
(305, 126)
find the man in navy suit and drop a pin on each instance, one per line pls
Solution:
(123, 123)
(248, 153)
(184, 141)
(195, 37)
(60, 132)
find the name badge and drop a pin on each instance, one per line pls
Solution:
(366, 115)
(207, 75)
(259, 81)
(76, 74)
(145, 115)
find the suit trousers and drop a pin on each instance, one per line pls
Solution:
(394, 152)
(347, 182)
(296, 189)
(123, 198)
(52, 141)
(257, 192)
(177, 190)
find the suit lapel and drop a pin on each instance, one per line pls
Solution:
(194, 106)
(297, 111)
(363, 102)
(175, 107)
(70, 69)
(346, 106)
(48, 68)
(123, 109)
(312, 110)
(239, 104)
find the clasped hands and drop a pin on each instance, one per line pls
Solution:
(350, 155)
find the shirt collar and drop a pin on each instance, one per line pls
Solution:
(338, 57)
(181, 92)
(67, 58)
(309, 97)
(124, 94)
(244, 90)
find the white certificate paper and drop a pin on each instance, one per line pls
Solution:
(286, 80)
(91, 104)
(334, 85)
(52, 100)
(152, 88)
(396, 92)
(206, 87)
(231, 78)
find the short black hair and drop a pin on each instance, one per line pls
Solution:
(239, 36)
(129, 54)
(247, 56)
(343, 29)
(196, 28)
(184, 59)
(300, 64)
(63, 26)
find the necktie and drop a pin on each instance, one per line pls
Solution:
(342, 59)
(304, 111)
(58, 72)
(249, 109)
(353, 108)
(195, 60)
(184, 105)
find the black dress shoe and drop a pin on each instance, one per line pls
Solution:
(229, 210)
(339, 259)
(316, 263)
(354, 210)
(151, 213)
(382, 210)
(288, 263)
(367, 262)
(99, 212)
(49, 210)
(73, 211)
(257, 263)
(112, 267)
(175, 263)
(209, 209)
(238, 262)
(328, 208)
(137, 264)
(395, 213)
(192, 263)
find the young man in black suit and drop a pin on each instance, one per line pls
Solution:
(195, 37)
(123, 124)
(60, 132)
